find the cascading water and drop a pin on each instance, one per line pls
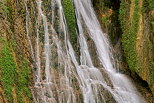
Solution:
(59, 77)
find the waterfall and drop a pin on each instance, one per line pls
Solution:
(59, 77)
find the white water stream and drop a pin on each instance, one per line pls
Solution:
(60, 78)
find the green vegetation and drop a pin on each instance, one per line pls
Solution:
(70, 19)
(104, 20)
(23, 77)
(152, 73)
(129, 32)
(13, 77)
(23, 81)
(150, 4)
(123, 15)
(7, 9)
(8, 68)
(138, 61)
(15, 72)
(105, 6)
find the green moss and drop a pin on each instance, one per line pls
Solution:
(104, 20)
(129, 32)
(23, 75)
(123, 16)
(12, 77)
(149, 7)
(150, 4)
(23, 81)
(8, 68)
(7, 9)
(70, 19)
